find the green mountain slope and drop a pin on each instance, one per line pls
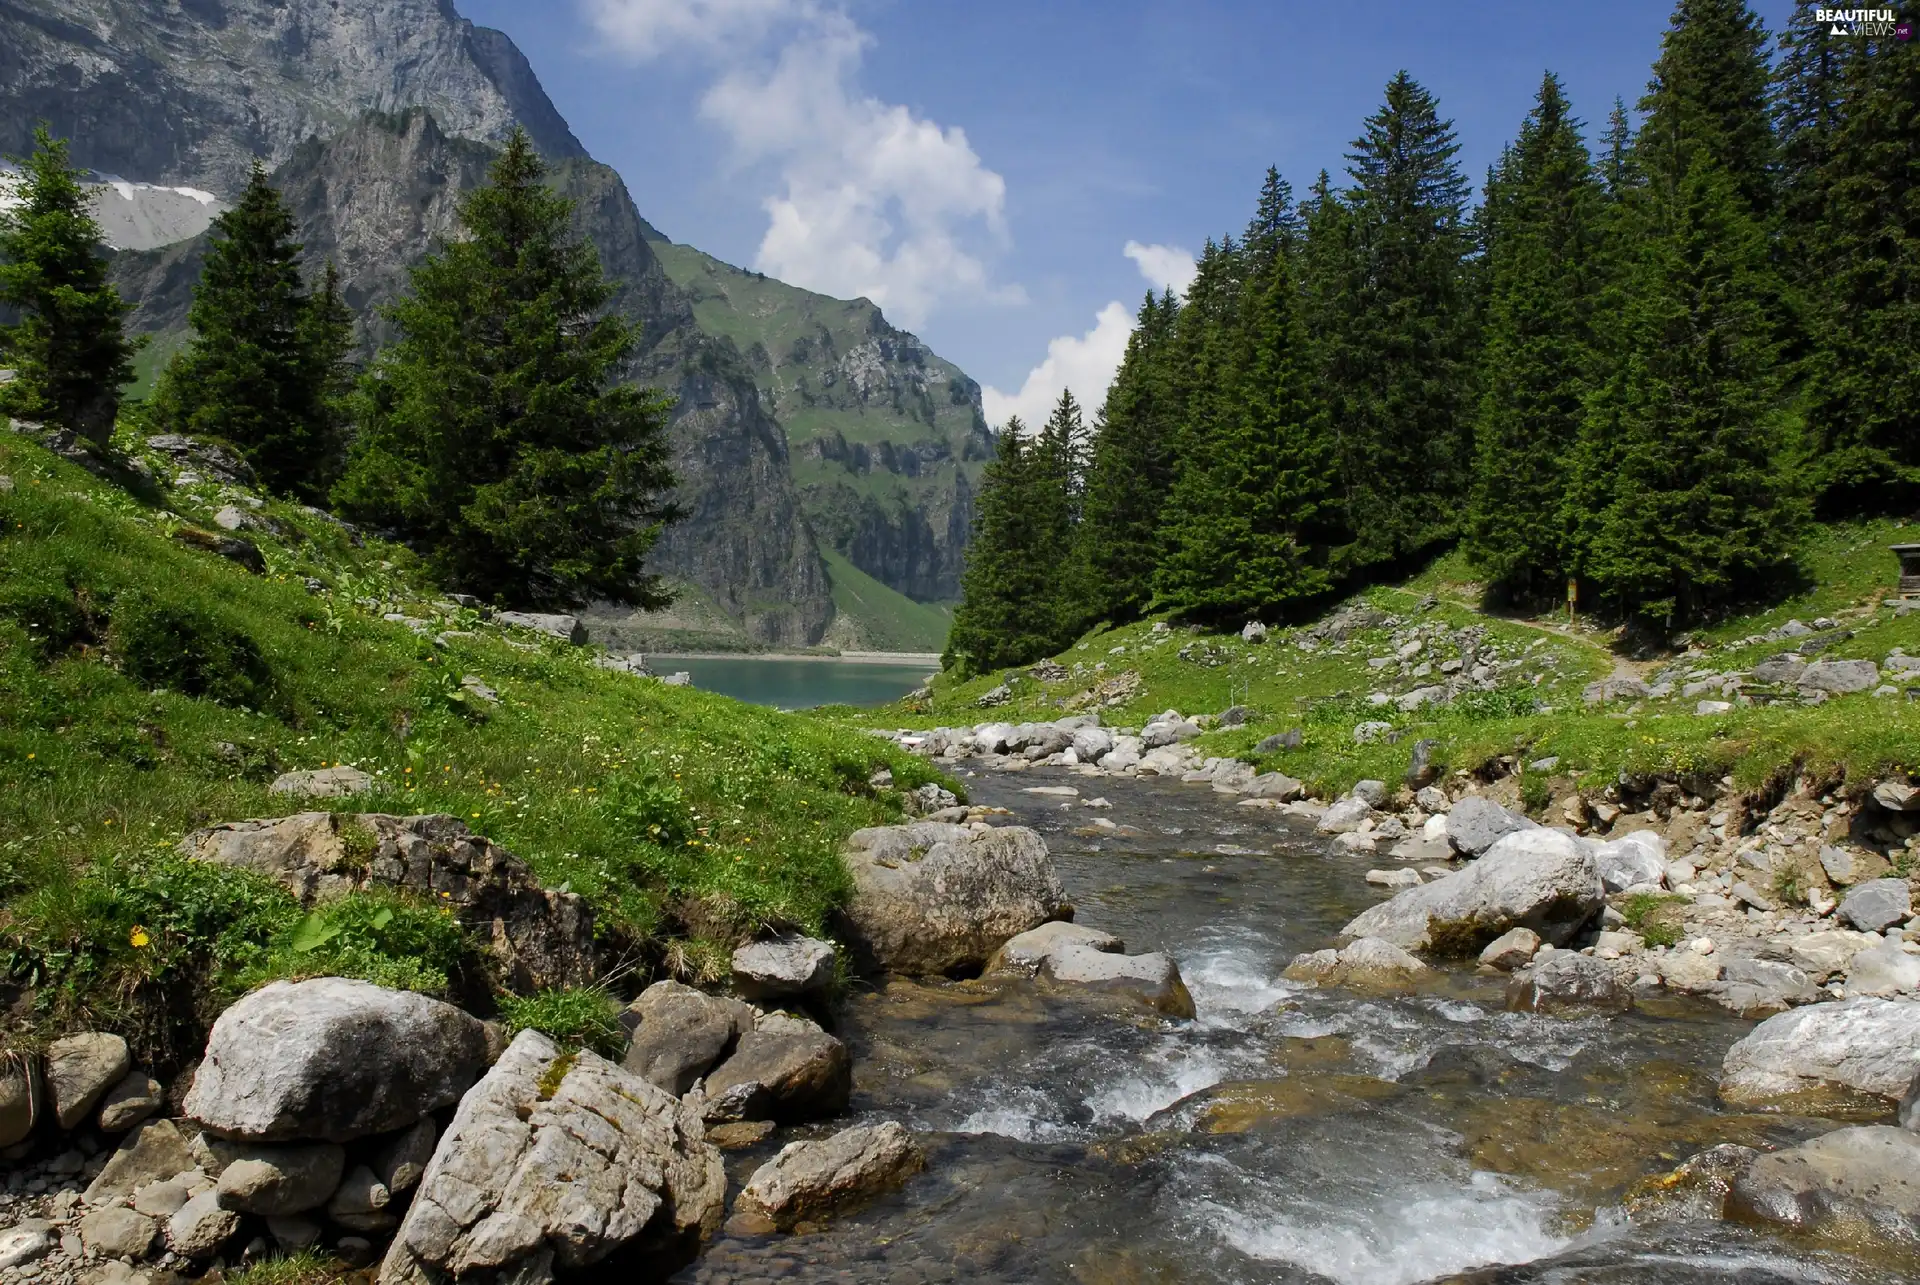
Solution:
(868, 616)
(887, 438)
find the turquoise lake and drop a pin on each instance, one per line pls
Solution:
(797, 684)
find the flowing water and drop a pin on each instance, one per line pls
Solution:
(1288, 1134)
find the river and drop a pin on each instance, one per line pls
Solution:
(1288, 1135)
(795, 683)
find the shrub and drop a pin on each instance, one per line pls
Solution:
(582, 1018)
(189, 650)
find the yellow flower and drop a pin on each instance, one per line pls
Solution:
(138, 938)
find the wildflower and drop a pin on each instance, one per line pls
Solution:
(138, 938)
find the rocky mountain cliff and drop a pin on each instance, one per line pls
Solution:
(376, 115)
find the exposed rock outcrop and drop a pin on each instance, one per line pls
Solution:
(1860, 1046)
(809, 1180)
(556, 1162)
(1537, 879)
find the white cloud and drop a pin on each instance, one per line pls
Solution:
(874, 200)
(1084, 363)
(1163, 265)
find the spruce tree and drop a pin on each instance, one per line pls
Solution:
(1256, 506)
(1130, 469)
(264, 368)
(1617, 170)
(1863, 405)
(497, 437)
(1679, 452)
(1008, 612)
(1541, 268)
(68, 350)
(1404, 331)
(1709, 95)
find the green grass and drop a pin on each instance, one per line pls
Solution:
(1324, 692)
(301, 1267)
(575, 1019)
(886, 619)
(148, 688)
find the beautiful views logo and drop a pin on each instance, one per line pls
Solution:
(1863, 22)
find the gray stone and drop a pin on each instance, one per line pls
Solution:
(1368, 732)
(1638, 858)
(153, 1152)
(276, 1181)
(1511, 950)
(80, 1069)
(1253, 632)
(936, 899)
(1841, 1185)
(1025, 954)
(1291, 739)
(1897, 796)
(567, 628)
(114, 1232)
(552, 1163)
(682, 1034)
(1781, 669)
(1394, 878)
(1840, 677)
(1420, 698)
(323, 783)
(797, 1072)
(1763, 986)
(1840, 865)
(791, 965)
(21, 1097)
(201, 1227)
(1345, 816)
(1153, 979)
(1476, 823)
(1869, 1046)
(137, 1096)
(808, 1181)
(1537, 879)
(1884, 969)
(539, 938)
(360, 1203)
(22, 1245)
(332, 1060)
(1425, 766)
(1274, 785)
(1876, 905)
(162, 1199)
(1366, 964)
(1234, 716)
(1373, 792)
(401, 1162)
(1091, 744)
(1568, 980)
(1608, 690)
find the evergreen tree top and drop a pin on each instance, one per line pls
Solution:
(1404, 158)
(1709, 93)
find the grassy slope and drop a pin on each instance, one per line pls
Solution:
(887, 620)
(674, 811)
(1848, 569)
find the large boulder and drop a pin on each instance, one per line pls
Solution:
(1568, 980)
(682, 1033)
(789, 965)
(937, 899)
(540, 938)
(1477, 823)
(1538, 879)
(1883, 969)
(80, 1070)
(786, 1068)
(566, 628)
(1839, 677)
(553, 1162)
(1858, 1046)
(809, 1180)
(332, 1060)
(1851, 1185)
(1877, 905)
(322, 783)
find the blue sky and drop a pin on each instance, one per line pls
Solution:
(981, 169)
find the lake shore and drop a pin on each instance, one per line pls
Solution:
(846, 657)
